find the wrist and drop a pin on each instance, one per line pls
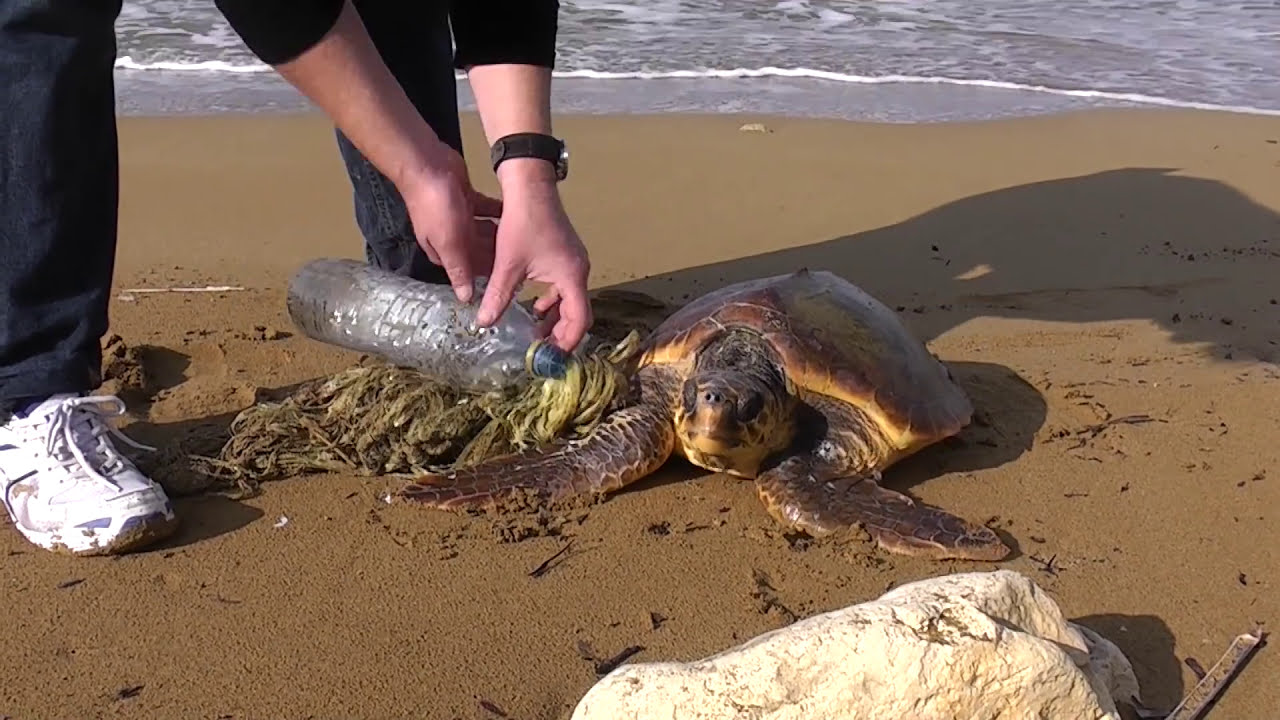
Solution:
(525, 184)
(427, 162)
(529, 158)
(525, 172)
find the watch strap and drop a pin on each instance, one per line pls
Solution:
(526, 145)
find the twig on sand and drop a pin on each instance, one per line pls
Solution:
(547, 564)
(604, 666)
(198, 289)
(608, 665)
(1090, 432)
(1210, 687)
(129, 294)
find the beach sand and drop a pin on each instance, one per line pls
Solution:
(1103, 284)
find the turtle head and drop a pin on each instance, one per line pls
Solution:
(732, 419)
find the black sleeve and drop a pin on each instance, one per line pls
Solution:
(278, 31)
(485, 33)
(521, 32)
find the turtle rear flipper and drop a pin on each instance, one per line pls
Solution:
(629, 445)
(801, 493)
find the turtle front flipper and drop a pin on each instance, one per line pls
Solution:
(627, 446)
(801, 492)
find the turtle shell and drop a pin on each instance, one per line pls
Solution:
(832, 338)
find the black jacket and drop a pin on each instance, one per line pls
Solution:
(519, 31)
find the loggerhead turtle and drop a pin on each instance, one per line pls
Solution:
(802, 382)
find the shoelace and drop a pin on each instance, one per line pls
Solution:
(88, 414)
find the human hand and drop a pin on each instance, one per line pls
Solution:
(449, 219)
(535, 241)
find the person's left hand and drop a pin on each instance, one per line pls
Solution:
(535, 241)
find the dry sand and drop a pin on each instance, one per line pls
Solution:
(1076, 270)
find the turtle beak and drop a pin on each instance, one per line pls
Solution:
(715, 401)
(712, 414)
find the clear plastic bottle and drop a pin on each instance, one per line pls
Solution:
(354, 305)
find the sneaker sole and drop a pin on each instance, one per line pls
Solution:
(136, 533)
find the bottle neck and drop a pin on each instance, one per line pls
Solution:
(545, 360)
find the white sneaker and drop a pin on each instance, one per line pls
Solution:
(66, 486)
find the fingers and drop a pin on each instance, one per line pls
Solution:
(575, 312)
(504, 281)
(444, 223)
(479, 251)
(451, 246)
(547, 310)
(548, 320)
(477, 257)
(440, 204)
(431, 253)
(547, 301)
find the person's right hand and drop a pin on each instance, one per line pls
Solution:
(447, 215)
(537, 242)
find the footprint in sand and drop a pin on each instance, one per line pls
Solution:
(174, 384)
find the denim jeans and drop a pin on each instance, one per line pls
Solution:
(414, 41)
(59, 177)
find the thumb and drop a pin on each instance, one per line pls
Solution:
(501, 289)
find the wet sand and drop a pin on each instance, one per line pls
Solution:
(1102, 283)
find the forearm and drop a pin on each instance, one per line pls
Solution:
(514, 99)
(342, 73)
(508, 63)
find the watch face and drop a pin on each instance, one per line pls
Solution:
(562, 166)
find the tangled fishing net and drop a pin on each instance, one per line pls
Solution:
(376, 418)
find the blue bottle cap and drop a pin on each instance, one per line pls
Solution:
(545, 360)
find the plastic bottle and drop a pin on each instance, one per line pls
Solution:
(359, 307)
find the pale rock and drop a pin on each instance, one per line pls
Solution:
(972, 646)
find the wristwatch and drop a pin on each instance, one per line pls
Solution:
(532, 145)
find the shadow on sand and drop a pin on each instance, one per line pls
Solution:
(1149, 644)
(204, 515)
(1193, 256)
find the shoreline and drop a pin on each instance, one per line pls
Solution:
(470, 117)
(1071, 269)
(165, 92)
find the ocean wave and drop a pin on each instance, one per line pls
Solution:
(220, 66)
(128, 63)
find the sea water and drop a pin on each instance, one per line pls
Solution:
(887, 60)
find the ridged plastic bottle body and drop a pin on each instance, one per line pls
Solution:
(353, 305)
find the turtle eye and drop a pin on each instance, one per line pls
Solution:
(750, 406)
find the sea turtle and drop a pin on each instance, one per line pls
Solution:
(802, 382)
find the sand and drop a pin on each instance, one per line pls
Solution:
(1103, 284)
